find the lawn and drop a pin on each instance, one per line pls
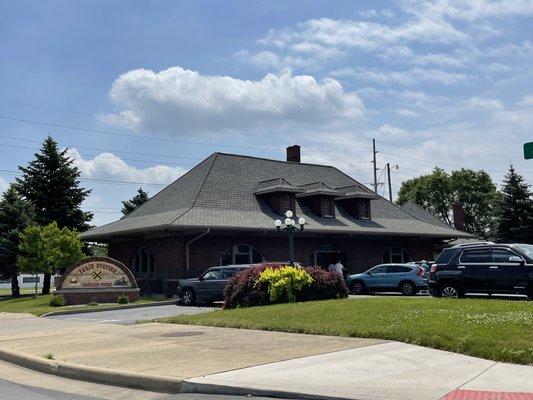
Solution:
(39, 306)
(494, 329)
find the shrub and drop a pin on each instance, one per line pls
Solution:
(49, 356)
(325, 285)
(243, 290)
(123, 299)
(57, 300)
(284, 283)
(246, 289)
(92, 304)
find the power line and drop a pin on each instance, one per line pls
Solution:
(5, 171)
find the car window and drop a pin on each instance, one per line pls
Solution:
(229, 273)
(212, 274)
(502, 255)
(527, 249)
(476, 256)
(445, 257)
(379, 270)
(398, 269)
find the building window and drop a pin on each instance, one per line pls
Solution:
(364, 209)
(241, 254)
(143, 261)
(4, 281)
(396, 255)
(31, 279)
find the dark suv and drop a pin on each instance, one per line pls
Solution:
(483, 267)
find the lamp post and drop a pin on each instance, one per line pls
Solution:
(290, 227)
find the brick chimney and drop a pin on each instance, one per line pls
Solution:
(293, 153)
(458, 216)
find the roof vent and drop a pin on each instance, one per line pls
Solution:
(293, 153)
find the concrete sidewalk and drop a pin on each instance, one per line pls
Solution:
(232, 361)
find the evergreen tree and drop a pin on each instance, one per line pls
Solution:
(50, 182)
(138, 200)
(16, 214)
(515, 211)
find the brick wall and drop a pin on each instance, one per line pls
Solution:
(169, 253)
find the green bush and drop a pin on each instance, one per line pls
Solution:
(57, 300)
(123, 299)
(284, 283)
(93, 304)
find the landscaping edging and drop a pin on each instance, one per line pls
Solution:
(111, 308)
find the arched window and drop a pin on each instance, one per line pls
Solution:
(240, 254)
(143, 261)
(396, 255)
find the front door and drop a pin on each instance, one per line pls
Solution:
(507, 276)
(209, 286)
(376, 278)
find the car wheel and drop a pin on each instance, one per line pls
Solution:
(408, 289)
(358, 288)
(450, 291)
(188, 297)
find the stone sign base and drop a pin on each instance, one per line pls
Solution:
(84, 296)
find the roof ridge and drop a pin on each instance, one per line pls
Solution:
(273, 159)
(199, 189)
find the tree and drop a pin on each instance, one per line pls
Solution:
(16, 214)
(515, 210)
(47, 249)
(50, 182)
(437, 191)
(135, 202)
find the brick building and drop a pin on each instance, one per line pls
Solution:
(223, 210)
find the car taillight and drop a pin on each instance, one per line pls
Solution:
(421, 271)
(433, 268)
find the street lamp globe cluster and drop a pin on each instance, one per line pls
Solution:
(290, 227)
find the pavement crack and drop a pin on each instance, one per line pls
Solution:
(478, 375)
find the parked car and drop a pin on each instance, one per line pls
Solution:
(483, 267)
(405, 278)
(209, 287)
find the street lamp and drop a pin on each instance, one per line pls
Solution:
(290, 227)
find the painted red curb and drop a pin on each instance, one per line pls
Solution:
(460, 394)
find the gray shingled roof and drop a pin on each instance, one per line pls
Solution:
(219, 193)
(423, 215)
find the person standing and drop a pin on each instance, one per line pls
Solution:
(339, 268)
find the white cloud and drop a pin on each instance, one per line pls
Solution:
(3, 185)
(184, 101)
(407, 77)
(526, 101)
(110, 166)
(485, 103)
(389, 131)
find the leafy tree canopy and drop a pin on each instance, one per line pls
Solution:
(47, 249)
(138, 200)
(436, 192)
(515, 210)
(50, 182)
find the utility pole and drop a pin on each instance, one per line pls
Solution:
(374, 152)
(388, 177)
(390, 186)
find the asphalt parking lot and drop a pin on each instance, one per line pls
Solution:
(132, 315)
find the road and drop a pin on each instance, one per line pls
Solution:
(132, 315)
(20, 384)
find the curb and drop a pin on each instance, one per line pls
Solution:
(134, 380)
(213, 388)
(111, 308)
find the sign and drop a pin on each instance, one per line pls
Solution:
(100, 279)
(97, 274)
(528, 150)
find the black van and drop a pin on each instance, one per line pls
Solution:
(483, 267)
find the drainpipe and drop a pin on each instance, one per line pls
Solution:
(194, 239)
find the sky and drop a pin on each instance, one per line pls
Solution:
(141, 91)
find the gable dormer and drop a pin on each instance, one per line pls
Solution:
(320, 198)
(357, 201)
(279, 194)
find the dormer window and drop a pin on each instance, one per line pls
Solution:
(320, 198)
(279, 194)
(356, 200)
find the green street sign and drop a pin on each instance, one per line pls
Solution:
(528, 150)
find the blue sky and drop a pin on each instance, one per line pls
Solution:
(142, 91)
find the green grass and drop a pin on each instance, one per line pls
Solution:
(7, 291)
(500, 330)
(39, 306)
